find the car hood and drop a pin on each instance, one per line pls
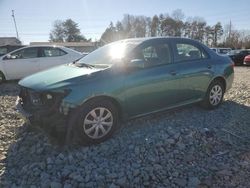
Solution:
(57, 77)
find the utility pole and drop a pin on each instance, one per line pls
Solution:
(230, 30)
(13, 15)
(229, 35)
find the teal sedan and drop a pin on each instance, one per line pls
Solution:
(87, 99)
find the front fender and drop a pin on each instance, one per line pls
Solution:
(113, 88)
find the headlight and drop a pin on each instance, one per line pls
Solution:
(49, 96)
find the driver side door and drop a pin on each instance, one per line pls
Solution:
(153, 87)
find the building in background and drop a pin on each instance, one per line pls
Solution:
(9, 41)
(8, 44)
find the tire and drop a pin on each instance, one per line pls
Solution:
(2, 77)
(214, 95)
(95, 121)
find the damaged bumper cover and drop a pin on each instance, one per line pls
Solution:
(41, 112)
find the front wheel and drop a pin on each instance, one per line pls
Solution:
(2, 78)
(214, 95)
(96, 121)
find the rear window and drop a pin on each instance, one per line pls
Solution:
(52, 52)
(188, 52)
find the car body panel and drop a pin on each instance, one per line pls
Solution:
(18, 69)
(152, 89)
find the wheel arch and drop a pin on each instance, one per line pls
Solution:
(220, 79)
(4, 77)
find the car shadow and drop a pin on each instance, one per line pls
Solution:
(32, 154)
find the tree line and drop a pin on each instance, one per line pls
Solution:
(175, 24)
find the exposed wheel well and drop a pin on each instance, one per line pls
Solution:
(1, 73)
(222, 80)
(107, 98)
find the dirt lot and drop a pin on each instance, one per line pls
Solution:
(187, 147)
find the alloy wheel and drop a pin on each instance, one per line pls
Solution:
(98, 123)
(215, 95)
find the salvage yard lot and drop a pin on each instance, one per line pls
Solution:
(186, 147)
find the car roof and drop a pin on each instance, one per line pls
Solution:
(148, 39)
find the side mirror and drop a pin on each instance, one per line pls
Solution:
(8, 56)
(137, 63)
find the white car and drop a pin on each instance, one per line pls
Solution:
(28, 60)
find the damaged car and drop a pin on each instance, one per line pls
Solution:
(88, 99)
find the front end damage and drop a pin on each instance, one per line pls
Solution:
(45, 110)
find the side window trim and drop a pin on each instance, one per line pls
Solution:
(65, 53)
(21, 51)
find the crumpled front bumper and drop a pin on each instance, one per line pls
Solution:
(52, 122)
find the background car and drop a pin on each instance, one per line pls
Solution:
(247, 60)
(221, 51)
(32, 59)
(238, 56)
(124, 80)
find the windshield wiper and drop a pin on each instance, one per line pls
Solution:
(83, 65)
(73, 62)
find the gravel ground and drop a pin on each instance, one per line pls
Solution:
(187, 147)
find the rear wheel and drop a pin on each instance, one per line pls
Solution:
(2, 77)
(96, 121)
(214, 95)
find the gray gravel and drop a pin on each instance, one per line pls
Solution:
(187, 147)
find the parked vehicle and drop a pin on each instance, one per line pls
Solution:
(124, 80)
(28, 60)
(238, 56)
(221, 51)
(247, 60)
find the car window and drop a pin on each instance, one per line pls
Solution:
(188, 52)
(3, 50)
(25, 53)
(52, 52)
(156, 54)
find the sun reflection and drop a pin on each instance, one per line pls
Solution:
(117, 51)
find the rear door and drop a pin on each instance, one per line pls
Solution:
(21, 63)
(52, 56)
(195, 70)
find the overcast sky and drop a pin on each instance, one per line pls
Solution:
(35, 17)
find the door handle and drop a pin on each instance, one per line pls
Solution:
(173, 73)
(209, 66)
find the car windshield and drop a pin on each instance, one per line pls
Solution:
(108, 54)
